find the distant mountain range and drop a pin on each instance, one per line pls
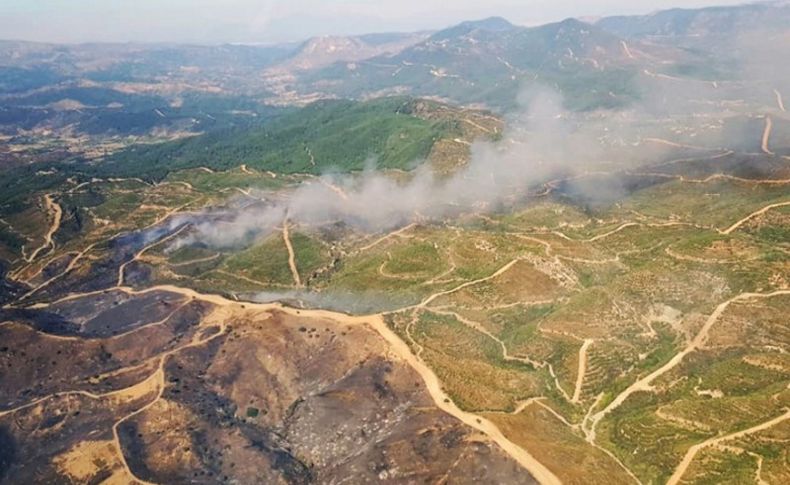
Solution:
(322, 51)
(484, 63)
(704, 22)
(488, 62)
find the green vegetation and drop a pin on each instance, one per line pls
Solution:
(471, 365)
(265, 263)
(310, 255)
(252, 412)
(325, 136)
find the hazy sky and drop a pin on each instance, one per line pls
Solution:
(212, 21)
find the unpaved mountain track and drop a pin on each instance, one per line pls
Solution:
(136, 257)
(692, 452)
(291, 255)
(645, 384)
(334, 188)
(385, 237)
(769, 125)
(662, 141)
(754, 214)
(714, 177)
(779, 100)
(582, 370)
(481, 329)
(478, 126)
(626, 50)
(56, 211)
(72, 264)
(443, 402)
(505, 352)
(499, 272)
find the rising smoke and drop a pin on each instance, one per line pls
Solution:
(542, 142)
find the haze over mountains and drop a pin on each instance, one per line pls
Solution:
(484, 61)
(487, 254)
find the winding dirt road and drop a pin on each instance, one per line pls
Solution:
(138, 255)
(57, 215)
(582, 370)
(769, 125)
(779, 100)
(645, 384)
(626, 49)
(499, 272)
(476, 125)
(754, 214)
(692, 452)
(291, 255)
(386, 236)
(443, 402)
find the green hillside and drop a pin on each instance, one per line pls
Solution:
(325, 136)
(491, 61)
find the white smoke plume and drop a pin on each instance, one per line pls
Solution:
(543, 142)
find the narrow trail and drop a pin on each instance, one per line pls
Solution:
(505, 353)
(385, 237)
(434, 296)
(57, 214)
(613, 231)
(310, 154)
(476, 125)
(481, 329)
(779, 100)
(662, 141)
(769, 125)
(262, 284)
(334, 188)
(722, 176)
(169, 214)
(692, 452)
(626, 49)
(754, 214)
(16, 275)
(291, 254)
(195, 261)
(682, 257)
(72, 264)
(83, 338)
(722, 153)
(619, 228)
(712, 178)
(577, 392)
(122, 267)
(645, 384)
(159, 376)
